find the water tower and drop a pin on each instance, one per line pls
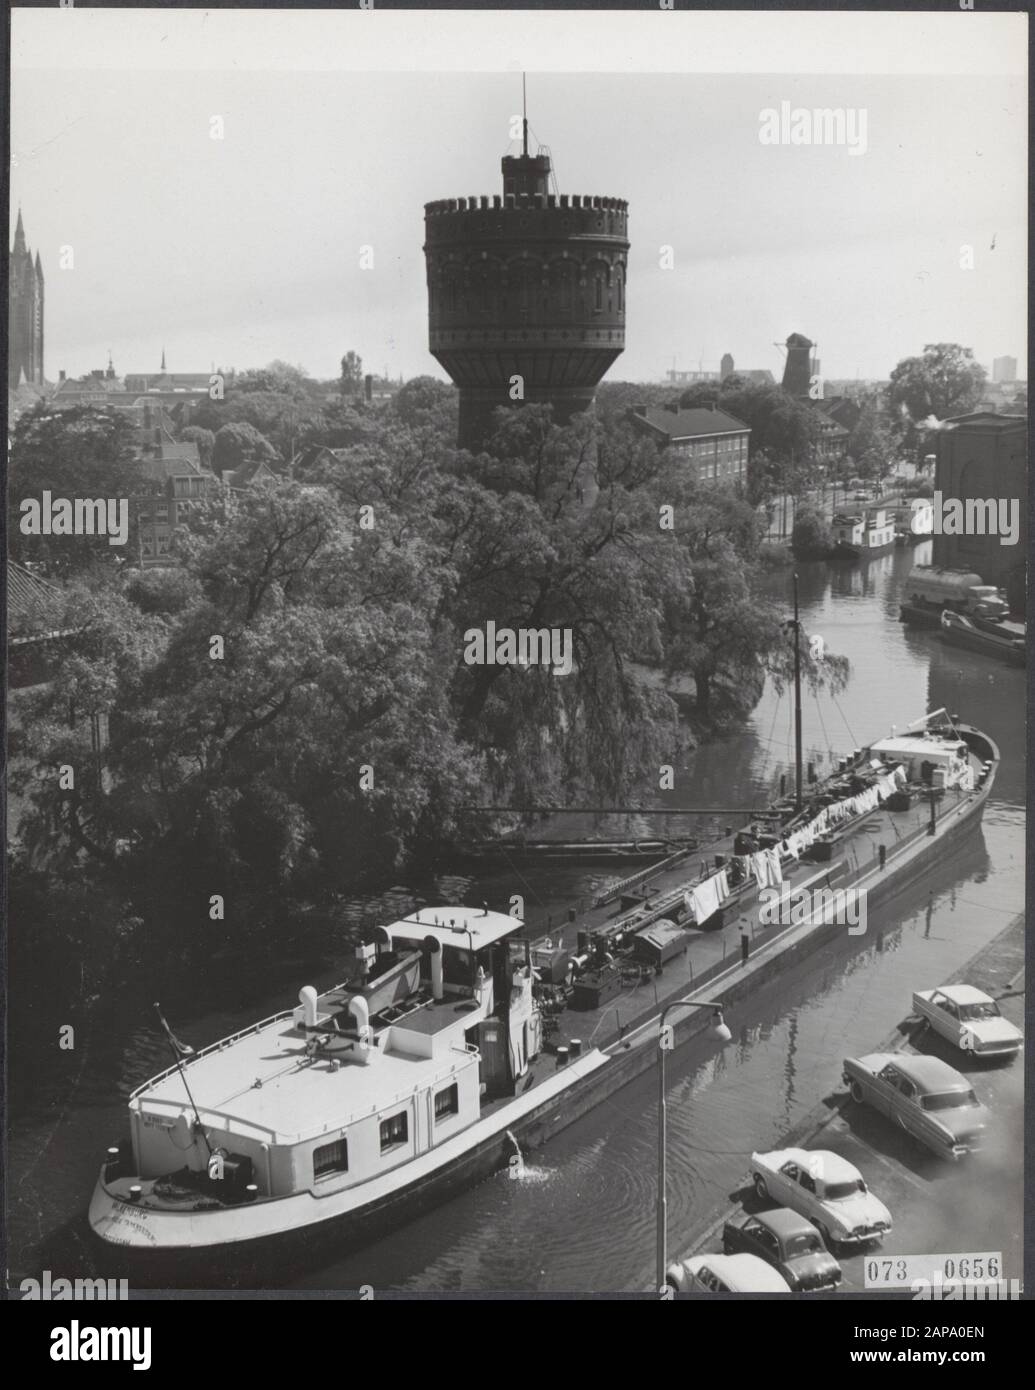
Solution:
(526, 293)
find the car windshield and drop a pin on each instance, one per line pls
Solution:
(804, 1244)
(835, 1191)
(971, 1011)
(949, 1100)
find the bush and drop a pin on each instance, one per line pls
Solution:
(811, 538)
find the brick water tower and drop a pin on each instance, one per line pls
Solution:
(525, 284)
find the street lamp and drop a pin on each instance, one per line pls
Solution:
(721, 1033)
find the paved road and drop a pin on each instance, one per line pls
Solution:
(939, 1208)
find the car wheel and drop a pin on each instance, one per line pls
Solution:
(760, 1188)
(856, 1092)
(826, 1237)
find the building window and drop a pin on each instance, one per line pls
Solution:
(394, 1131)
(447, 1102)
(598, 302)
(331, 1158)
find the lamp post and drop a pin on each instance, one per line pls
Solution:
(665, 1042)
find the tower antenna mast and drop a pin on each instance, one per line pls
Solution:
(524, 118)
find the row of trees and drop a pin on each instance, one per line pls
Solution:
(290, 710)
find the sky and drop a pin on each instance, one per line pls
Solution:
(233, 252)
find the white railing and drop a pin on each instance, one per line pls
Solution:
(212, 1047)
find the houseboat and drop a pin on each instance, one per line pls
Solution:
(859, 537)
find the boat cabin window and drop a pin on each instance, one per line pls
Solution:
(456, 966)
(394, 1131)
(447, 1102)
(331, 1158)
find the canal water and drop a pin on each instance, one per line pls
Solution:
(581, 1216)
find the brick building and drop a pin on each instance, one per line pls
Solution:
(526, 284)
(714, 444)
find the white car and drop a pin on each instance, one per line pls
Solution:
(827, 1189)
(725, 1274)
(969, 1019)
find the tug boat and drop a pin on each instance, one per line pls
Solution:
(455, 1043)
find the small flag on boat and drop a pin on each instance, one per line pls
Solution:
(182, 1048)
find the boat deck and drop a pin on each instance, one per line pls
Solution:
(264, 1084)
(709, 953)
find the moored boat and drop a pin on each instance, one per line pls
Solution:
(455, 1043)
(960, 631)
(860, 537)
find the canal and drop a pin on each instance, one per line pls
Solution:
(581, 1217)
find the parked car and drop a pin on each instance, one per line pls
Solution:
(970, 1019)
(924, 1096)
(788, 1242)
(827, 1189)
(725, 1274)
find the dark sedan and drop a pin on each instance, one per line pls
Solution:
(789, 1243)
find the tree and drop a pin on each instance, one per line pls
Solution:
(811, 537)
(870, 445)
(425, 401)
(204, 439)
(84, 452)
(945, 381)
(351, 381)
(238, 444)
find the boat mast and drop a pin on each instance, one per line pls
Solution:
(797, 700)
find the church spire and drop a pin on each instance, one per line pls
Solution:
(163, 359)
(19, 237)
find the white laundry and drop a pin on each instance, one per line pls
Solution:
(773, 865)
(707, 897)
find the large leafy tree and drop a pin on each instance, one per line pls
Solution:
(238, 444)
(84, 452)
(944, 381)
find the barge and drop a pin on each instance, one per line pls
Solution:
(457, 1042)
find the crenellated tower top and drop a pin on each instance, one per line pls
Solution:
(525, 286)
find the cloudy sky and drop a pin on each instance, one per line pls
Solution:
(238, 250)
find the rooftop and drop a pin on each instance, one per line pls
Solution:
(929, 1073)
(964, 994)
(687, 423)
(451, 925)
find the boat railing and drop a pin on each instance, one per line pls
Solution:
(212, 1047)
(615, 890)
